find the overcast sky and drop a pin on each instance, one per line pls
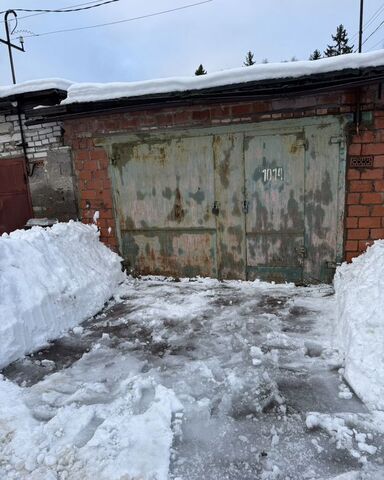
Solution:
(217, 34)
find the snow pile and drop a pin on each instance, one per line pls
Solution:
(344, 437)
(71, 427)
(92, 92)
(35, 86)
(50, 281)
(360, 328)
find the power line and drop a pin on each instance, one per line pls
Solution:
(163, 12)
(373, 18)
(370, 20)
(376, 29)
(62, 10)
(381, 42)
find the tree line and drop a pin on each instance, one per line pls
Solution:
(340, 46)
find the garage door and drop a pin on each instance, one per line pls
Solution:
(15, 203)
(261, 201)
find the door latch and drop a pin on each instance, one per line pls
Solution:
(245, 206)
(301, 251)
(215, 208)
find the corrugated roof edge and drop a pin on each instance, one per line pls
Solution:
(97, 92)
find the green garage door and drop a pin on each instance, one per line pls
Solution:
(256, 201)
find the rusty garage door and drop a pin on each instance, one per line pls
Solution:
(257, 201)
(15, 202)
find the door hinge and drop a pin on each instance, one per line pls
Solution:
(332, 265)
(115, 158)
(302, 143)
(336, 139)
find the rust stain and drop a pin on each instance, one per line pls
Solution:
(177, 213)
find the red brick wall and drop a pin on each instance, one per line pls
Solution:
(365, 190)
(94, 187)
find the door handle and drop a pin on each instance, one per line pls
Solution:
(215, 208)
(245, 206)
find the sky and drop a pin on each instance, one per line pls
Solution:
(217, 34)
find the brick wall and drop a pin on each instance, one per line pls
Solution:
(364, 211)
(365, 190)
(52, 183)
(40, 138)
(95, 189)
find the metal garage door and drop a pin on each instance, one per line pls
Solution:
(15, 202)
(258, 201)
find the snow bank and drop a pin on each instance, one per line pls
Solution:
(92, 92)
(51, 280)
(360, 327)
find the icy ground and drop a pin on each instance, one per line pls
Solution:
(191, 380)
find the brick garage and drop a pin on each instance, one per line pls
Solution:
(365, 187)
(354, 93)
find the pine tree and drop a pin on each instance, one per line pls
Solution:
(249, 59)
(200, 70)
(316, 55)
(265, 60)
(340, 46)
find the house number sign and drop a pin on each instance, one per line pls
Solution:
(272, 174)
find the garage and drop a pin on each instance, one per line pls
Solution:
(251, 201)
(273, 172)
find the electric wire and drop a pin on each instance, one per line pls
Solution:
(371, 19)
(163, 12)
(62, 10)
(376, 29)
(381, 42)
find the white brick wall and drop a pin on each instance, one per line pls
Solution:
(40, 138)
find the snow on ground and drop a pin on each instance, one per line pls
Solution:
(189, 380)
(50, 281)
(91, 92)
(360, 329)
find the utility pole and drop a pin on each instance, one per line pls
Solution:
(8, 42)
(10, 46)
(361, 25)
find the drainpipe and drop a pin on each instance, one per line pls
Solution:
(23, 142)
(358, 102)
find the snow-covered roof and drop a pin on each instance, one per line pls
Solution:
(34, 86)
(94, 92)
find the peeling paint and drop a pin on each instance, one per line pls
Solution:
(165, 187)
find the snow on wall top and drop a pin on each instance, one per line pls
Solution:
(92, 92)
(34, 86)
